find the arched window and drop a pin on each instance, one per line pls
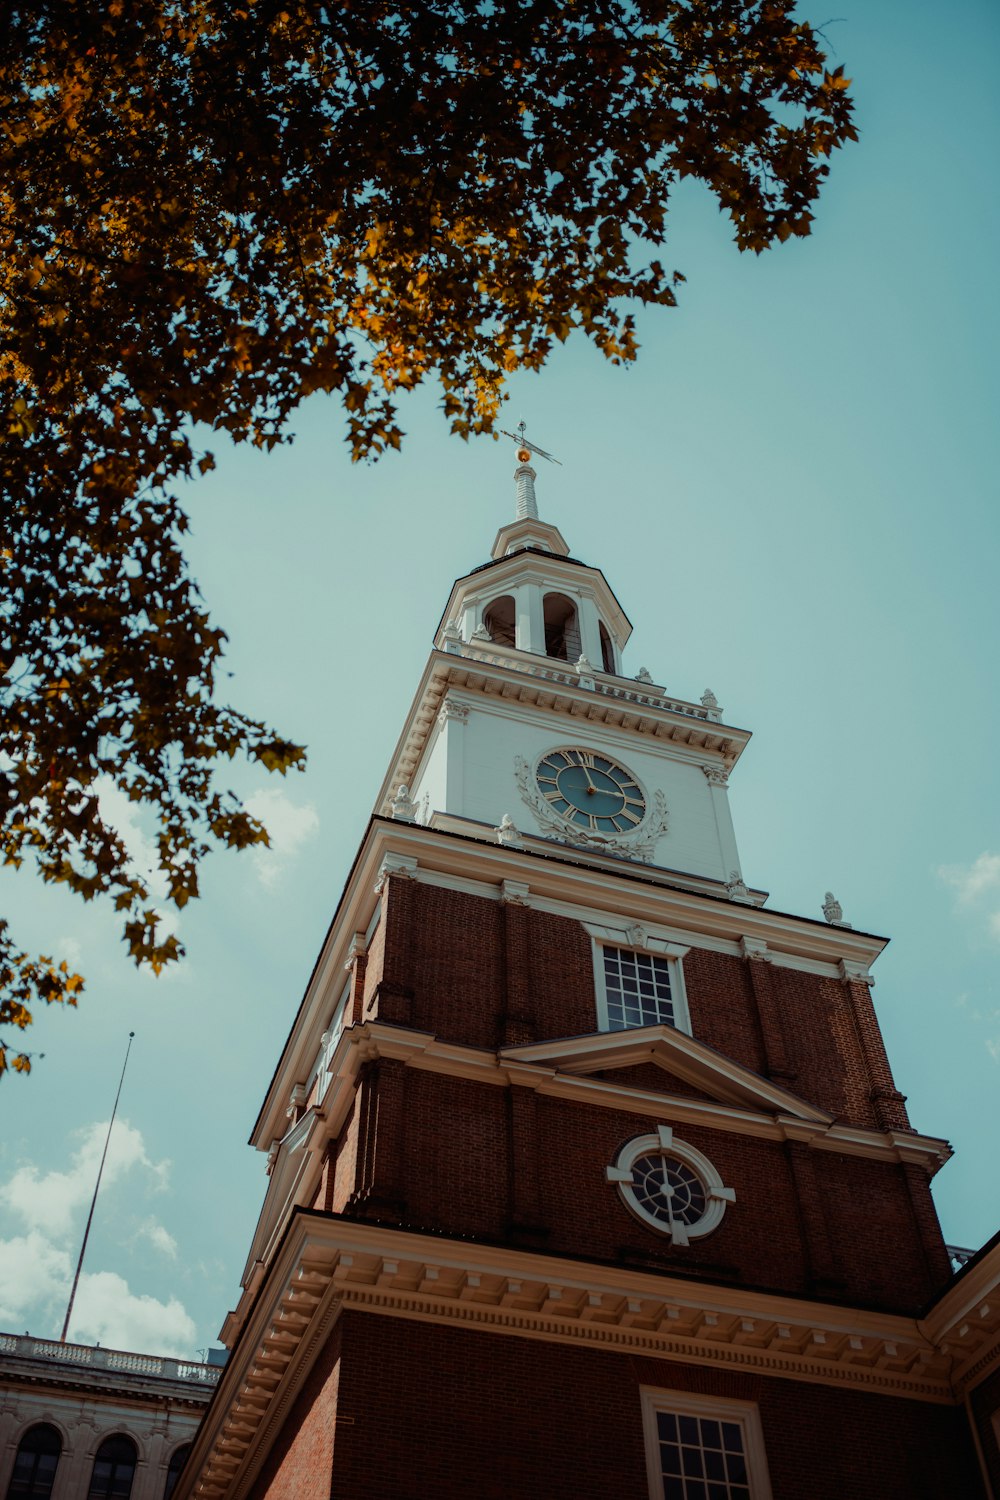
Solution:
(177, 1460)
(35, 1464)
(114, 1469)
(562, 629)
(607, 649)
(498, 618)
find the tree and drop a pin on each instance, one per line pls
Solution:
(210, 209)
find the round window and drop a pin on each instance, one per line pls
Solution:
(670, 1185)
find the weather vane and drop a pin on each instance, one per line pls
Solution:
(524, 448)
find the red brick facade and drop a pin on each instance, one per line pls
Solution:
(426, 1411)
(422, 1406)
(449, 1155)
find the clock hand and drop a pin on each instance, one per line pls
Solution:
(668, 1193)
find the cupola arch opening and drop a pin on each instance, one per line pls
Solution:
(500, 621)
(562, 627)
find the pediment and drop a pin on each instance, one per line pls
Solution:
(715, 1077)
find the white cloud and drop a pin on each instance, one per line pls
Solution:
(120, 813)
(972, 881)
(107, 1312)
(158, 1236)
(977, 885)
(289, 825)
(34, 1274)
(36, 1266)
(69, 948)
(48, 1201)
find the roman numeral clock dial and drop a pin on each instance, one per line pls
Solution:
(590, 791)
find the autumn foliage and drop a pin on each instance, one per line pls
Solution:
(209, 210)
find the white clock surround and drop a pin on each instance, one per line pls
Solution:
(639, 843)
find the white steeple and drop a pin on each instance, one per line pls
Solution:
(526, 683)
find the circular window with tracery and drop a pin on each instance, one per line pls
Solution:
(670, 1186)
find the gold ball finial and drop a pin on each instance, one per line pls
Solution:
(524, 455)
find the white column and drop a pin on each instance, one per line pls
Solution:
(718, 779)
(470, 618)
(590, 635)
(452, 719)
(530, 629)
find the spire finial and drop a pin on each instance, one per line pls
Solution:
(524, 478)
(524, 474)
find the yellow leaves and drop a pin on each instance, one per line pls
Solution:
(22, 424)
(835, 81)
(561, 328)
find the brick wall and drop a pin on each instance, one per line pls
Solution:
(449, 1155)
(299, 1464)
(431, 1411)
(467, 970)
(465, 1159)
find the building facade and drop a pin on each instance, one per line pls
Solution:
(588, 1174)
(80, 1421)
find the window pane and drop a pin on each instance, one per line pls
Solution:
(693, 1465)
(637, 987)
(114, 1469)
(35, 1464)
(666, 1425)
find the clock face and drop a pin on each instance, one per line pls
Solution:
(591, 791)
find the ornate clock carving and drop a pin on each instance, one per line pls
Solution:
(587, 798)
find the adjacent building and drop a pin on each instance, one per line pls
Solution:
(80, 1421)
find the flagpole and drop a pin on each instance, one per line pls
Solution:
(93, 1201)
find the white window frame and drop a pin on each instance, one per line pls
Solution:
(330, 1038)
(665, 1143)
(637, 939)
(744, 1414)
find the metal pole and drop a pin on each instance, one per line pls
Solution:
(93, 1201)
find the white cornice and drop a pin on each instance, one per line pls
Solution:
(327, 1265)
(584, 890)
(965, 1323)
(676, 1052)
(552, 688)
(470, 828)
(528, 531)
(738, 1101)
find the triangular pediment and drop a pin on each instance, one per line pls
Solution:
(716, 1077)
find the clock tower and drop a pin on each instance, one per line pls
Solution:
(587, 1173)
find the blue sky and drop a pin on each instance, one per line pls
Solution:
(793, 494)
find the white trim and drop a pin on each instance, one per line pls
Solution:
(743, 1414)
(665, 1143)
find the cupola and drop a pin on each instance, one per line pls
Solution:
(533, 597)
